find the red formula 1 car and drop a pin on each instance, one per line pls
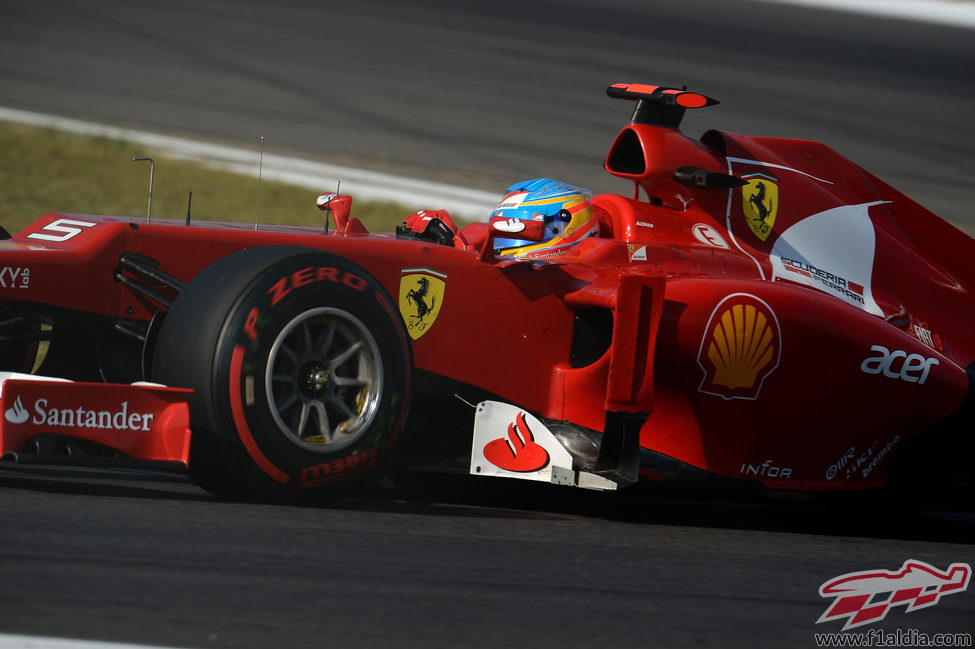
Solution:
(761, 309)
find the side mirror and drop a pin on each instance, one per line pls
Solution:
(339, 205)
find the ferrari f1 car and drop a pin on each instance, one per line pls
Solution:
(759, 310)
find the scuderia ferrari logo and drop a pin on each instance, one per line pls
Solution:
(760, 203)
(421, 295)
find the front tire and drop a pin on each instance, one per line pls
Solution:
(301, 372)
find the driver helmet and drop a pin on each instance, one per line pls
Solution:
(565, 210)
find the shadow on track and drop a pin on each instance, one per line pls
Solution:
(688, 505)
(90, 481)
(709, 505)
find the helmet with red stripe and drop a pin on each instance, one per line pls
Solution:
(564, 209)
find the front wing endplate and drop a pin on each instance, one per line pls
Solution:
(511, 443)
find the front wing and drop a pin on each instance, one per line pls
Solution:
(47, 416)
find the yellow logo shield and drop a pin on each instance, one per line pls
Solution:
(760, 203)
(740, 348)
(421, 295)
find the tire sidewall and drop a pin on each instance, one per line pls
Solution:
(232, 400)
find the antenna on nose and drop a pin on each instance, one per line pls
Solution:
(260, 171)
(152, 172)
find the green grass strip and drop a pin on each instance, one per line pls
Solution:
(43, 170)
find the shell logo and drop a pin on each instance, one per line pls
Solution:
(740, 348)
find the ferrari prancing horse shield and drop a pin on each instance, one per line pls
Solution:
(421, 295)
(760, 203)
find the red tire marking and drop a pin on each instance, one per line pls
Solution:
(237, 410)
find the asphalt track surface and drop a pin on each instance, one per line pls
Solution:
(485, 94)
(477, 95)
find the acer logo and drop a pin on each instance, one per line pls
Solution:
(898, 364)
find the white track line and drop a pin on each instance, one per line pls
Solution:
(957, 13)
(358, 183)
(13, 641)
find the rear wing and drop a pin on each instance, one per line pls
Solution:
(658, 105)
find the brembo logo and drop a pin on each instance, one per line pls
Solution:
(45, 415)
(866, 597)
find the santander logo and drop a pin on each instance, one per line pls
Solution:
(17, 414)
(44, 414)
(510, 226)
(520, 452)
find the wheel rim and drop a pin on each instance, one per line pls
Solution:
(323, 380)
